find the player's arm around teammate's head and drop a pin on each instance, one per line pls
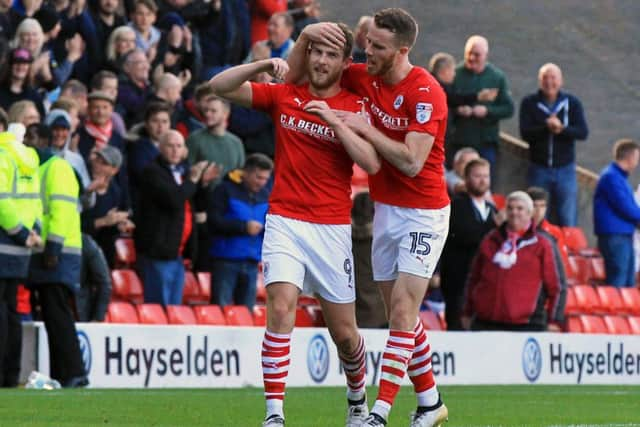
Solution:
(233, 83)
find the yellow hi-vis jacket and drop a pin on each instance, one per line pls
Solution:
(60, 225)
(20, 206)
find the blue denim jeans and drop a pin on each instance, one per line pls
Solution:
(619, 259)
(562, 185)
(234, 282)
(163, 280)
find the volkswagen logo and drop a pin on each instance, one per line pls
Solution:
(318, 358)
(85, 350)
(532, 359)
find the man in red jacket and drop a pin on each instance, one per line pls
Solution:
(513, 277)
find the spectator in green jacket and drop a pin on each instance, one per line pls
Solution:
(477, 125)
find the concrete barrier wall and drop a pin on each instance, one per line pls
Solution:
(511, 175)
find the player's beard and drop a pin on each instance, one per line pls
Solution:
(381, 67)
(323, 80)
(477, 191)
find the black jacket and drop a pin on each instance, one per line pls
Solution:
(466, 231)
(161, 212)
(545, 148)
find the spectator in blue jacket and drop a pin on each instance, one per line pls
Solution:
(616, 214)
(551, 121)
(236, 216)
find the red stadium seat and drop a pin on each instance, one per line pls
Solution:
(303, 319)
(634, 324)
(151, 314)
(204, 281)
(315, 311)
(617, 325)
(126, 286)
(307, 300)
(260, 315)
(573, 325)
(430, 320)
(597, 271)
(580, 268)
(499, 200)
(630, 300)
(125, 252)
(121, 312)
(610, 300)
(209, 315)
(571, 305)
(191, 293)
(180, 315)
(261, 290)
(575, 239)
(238, 315)
(593, 324)
(587, 300)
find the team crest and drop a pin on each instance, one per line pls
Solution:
(423, 112)
(398, 102)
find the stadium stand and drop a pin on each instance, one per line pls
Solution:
(151, 314)
(125, 252)
(634, 324)
(617, 325)
(259, 315)
(596, 270)
(204, 282)
(209, 315)
(610, 300)
(180, 315)
(192, 293)
(580, 269)
(571, 306)
(592, 324)
(315, 311)
(430, 320)
(126, 286)
(630, 300)
(238, 315)
(303, 319)
(587, 300)
(573, 325)
(121, 312)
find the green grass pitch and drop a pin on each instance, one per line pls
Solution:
(318, 407)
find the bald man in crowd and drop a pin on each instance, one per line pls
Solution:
(551, 121)
(169, 90)
(477, 125)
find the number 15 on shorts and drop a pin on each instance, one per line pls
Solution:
(419, 244)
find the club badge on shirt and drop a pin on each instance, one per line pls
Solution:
(398, 102)
(423, 112)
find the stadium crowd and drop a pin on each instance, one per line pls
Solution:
(107, 104)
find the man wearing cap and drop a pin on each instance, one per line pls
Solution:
(19, 210)
(15, 85)
(98, 132)
(59, 123)
(110, 215)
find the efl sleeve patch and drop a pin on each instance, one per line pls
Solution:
(423, 112)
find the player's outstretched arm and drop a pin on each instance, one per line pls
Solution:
(360, 150)
(322, 32)
(233, 83)
(407, 156)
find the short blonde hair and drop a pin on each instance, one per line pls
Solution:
(522, 197)
(18, 110)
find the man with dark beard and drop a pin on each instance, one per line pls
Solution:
(307, 242)
(471, 218)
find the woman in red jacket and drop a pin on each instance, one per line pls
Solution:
(513, 284)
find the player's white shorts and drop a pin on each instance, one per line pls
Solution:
(316, 258)
(407, 240)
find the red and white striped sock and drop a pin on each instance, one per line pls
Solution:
(355, 370)
(420, 371)
(395, 358)
(275, 367)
